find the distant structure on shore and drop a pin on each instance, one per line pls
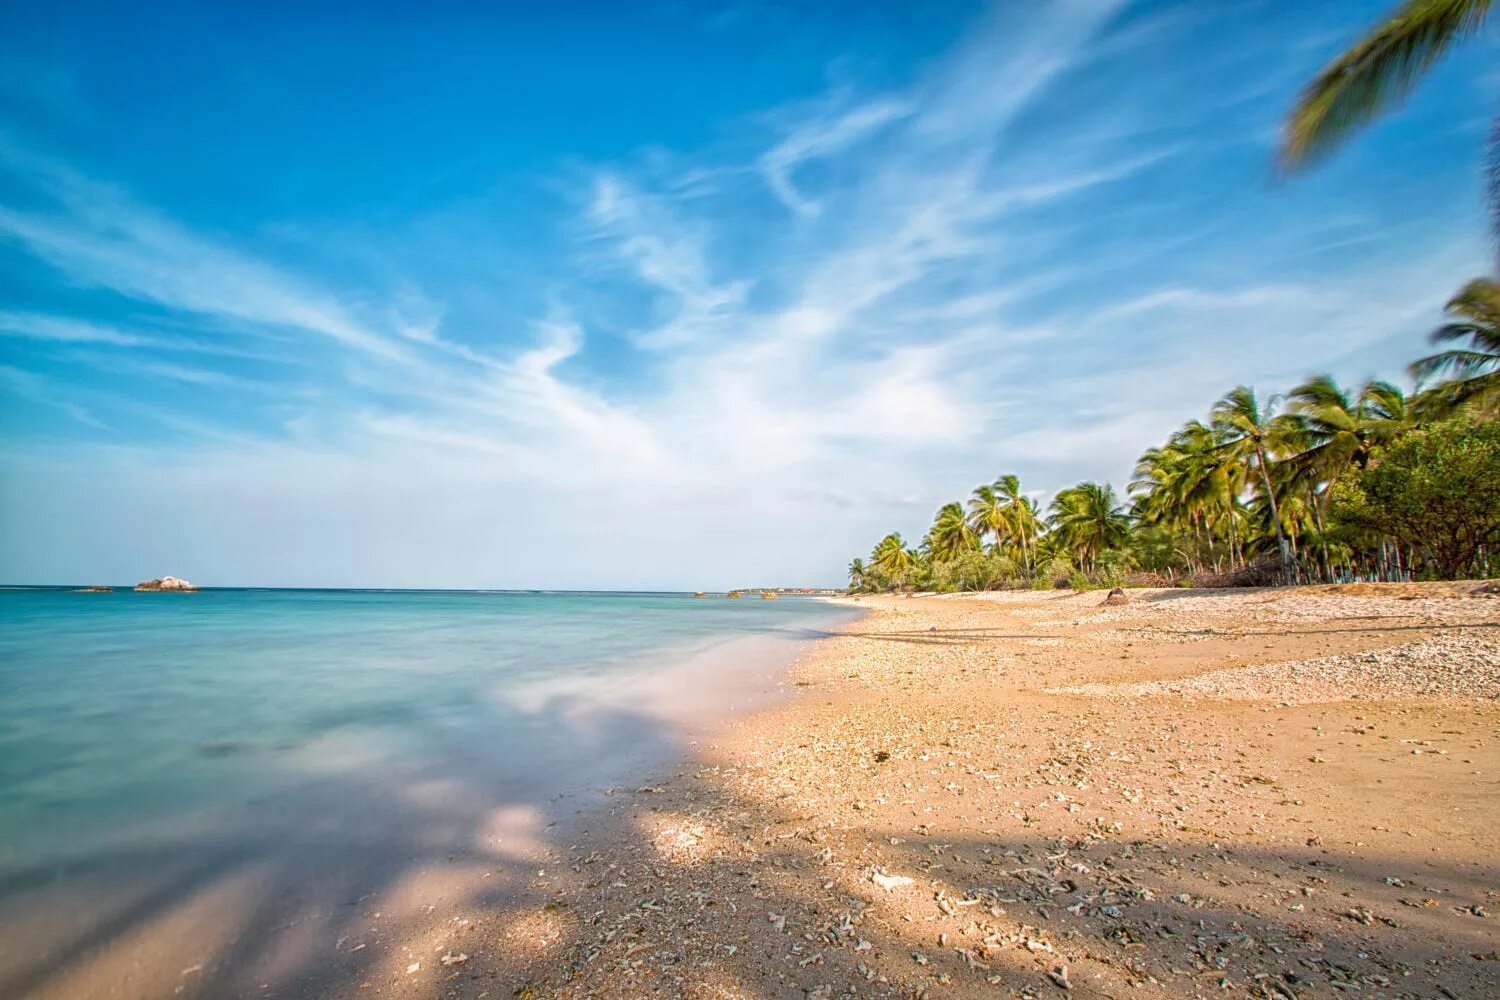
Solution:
(772, 593)
(165, 583)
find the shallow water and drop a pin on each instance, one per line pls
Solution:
(333, 736)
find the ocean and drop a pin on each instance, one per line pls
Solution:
(152, 744)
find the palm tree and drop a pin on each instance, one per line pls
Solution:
(988, 514)
(951, 535)
(1021, 513)
(1339, 431)
(1000, 509)
(857, 575)
(1376, 73)
(1192, 482)
(1186, 485)
(1475, 369)
(1250, 433)
(892, 558)
(1331, 433)
(1088, 519)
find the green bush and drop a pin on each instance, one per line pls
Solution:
(1435, 491)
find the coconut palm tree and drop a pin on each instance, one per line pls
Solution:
(1022, 515)
(1088, 519)
(893, 559)
(951, 535)
(1158, 502)
(1331, 433)
(1192, 483)
(988, 514)
(1375, 73)
(1474, 370)
(1338, 430)
(1252, 434)
(857, 575)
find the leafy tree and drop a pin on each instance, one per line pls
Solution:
(1435, 490)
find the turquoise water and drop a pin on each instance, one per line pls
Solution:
(228, 716)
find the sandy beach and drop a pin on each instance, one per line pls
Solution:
(1235, 793)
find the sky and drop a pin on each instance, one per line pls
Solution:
(664, 295)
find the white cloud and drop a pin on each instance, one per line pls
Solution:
(821, 138)
(61, 329)
(101, 238)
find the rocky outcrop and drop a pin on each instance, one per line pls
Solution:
(165, 583)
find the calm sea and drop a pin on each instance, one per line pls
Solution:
(338, 731)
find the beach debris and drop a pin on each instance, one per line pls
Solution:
(451, 959)
(1059, 975)
(890, 883)
(414, 967)
(1115, 598)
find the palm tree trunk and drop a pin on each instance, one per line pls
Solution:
(1317, 509)
(1265, 478)
(1234, 538)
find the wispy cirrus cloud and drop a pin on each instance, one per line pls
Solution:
(821, 137)
(97, 236)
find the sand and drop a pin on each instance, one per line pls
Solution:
(1033, 795)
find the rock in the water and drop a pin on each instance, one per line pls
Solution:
(1116, 597)
(165, 583)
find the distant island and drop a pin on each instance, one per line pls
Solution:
(165, 583)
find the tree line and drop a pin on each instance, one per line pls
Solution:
(1327, 483)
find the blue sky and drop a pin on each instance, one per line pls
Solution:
(663, 295)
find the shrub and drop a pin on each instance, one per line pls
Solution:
(1435, 490)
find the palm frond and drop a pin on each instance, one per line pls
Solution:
(1492, 170)
(1461, 364)
(1375, 73)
